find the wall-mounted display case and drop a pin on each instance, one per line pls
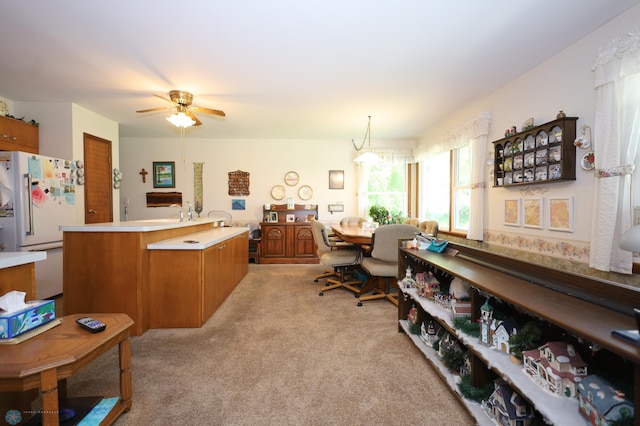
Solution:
(541, 154)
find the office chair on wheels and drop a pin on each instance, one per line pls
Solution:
(343, 258)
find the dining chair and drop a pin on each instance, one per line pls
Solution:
(382, 265)
(412, 221)
(342, 257)
(429, 227)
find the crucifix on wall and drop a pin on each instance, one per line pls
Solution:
(144, 174)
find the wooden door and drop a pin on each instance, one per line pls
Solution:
(98, 193)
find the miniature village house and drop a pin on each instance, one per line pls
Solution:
(504, 330)
(507, 407)
(556, 367)
(600, 403)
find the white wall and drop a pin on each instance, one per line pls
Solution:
(564, 82)
(62, 128)
(267, 161)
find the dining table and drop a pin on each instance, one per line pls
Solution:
(354, 234)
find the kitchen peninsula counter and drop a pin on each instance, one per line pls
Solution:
(17, 272)
(107, 267)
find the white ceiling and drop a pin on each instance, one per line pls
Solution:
(283, 68)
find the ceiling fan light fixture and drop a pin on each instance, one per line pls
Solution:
(180, 119)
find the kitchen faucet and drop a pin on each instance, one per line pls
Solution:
(181, 212)
(190, 212)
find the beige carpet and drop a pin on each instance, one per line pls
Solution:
(276, 353)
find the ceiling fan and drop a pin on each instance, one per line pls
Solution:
(182, 102)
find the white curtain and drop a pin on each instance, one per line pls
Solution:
(616, 137)
(390, 156)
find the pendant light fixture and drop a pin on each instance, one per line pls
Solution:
(367, 157)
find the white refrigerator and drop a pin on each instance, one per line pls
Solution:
(37, 196)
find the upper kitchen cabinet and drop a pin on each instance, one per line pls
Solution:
(16, 135)
(540, 154)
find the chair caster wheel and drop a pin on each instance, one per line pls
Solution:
(359, 303)
(321, 294)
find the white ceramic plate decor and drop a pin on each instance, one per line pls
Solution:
(278, 192)
(291, 178)
(305, 192)
(588, 161)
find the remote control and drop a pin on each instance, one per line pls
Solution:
(91, 324)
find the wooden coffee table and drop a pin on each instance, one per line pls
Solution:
(45, 362)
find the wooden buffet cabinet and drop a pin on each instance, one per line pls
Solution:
(577, 309)
(288, 241)
(16, 135)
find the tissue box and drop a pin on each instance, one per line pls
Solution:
(37, 313)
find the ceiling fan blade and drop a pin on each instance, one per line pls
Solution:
(155, 109)
(164, 99)
(194, 118)
(209, 111)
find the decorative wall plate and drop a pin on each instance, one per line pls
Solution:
(305, 192)
(527, 124)
(278, 192)
(291, 178)
(587, 161)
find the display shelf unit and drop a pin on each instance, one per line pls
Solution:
(570, 308)
(541, 154)
(286, 234)
(560, 411)
(472, 407)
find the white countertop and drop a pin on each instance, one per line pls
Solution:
(9, 259)
(198, 240)
(137, 225)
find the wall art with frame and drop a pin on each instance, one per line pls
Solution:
(336, 179)
(561, 214)
(512, 212)
(532, 212)
(164, 174)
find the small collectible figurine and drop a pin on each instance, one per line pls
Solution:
(413, 315)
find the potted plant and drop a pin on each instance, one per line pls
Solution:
(379, 214)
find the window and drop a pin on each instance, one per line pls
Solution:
(461, 188)
(386, 187)
(446, 189)
(435, 192)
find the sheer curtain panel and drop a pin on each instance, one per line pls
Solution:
(616, 136)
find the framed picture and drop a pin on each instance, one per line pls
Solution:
(336, 179)
(532, 213)
(561, 214)
(164, 174)
(273, 217)
(512, 212)
(238, 204)
(291, 217)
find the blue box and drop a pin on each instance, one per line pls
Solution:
(37, 313)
